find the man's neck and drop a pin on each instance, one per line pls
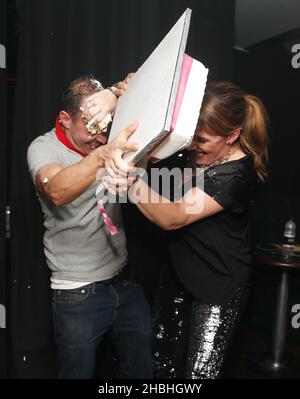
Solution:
(65, 138)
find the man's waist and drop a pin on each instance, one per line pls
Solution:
(126, 273)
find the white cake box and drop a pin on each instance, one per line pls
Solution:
(187, 107)
(164, 96)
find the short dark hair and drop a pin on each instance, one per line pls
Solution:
(76, 90)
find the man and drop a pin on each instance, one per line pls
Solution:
(93, 291)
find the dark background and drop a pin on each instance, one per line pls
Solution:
(266, 70)
(3, 191)
(51, 42)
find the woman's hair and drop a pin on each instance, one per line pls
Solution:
(225, 108)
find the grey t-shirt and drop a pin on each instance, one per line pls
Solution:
(78, 246)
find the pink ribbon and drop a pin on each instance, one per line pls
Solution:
(184, 76)
(107, 220)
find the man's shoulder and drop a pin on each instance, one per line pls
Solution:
(45, 149)
(48, 138)
(45, 144)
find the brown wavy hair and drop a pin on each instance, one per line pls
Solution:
(227, 107)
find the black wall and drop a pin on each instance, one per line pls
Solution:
(266, 70)
(3, 192)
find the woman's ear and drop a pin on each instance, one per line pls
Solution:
(233, 136)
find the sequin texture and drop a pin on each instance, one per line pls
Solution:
(211, 329)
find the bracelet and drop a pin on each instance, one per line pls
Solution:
(114, 90)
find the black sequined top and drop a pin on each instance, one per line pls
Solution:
(212, 256)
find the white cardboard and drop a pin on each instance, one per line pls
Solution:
(188, 115)
(151, 93)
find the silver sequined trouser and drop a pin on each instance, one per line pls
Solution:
(211, 330)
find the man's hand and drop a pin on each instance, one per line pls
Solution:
(115, 150)
(118, 176)
(116, 169)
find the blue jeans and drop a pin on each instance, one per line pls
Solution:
(81, 316)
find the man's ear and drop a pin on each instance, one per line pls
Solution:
(233, 136)
(65, 120)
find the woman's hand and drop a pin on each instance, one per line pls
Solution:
(99, 107)
(120, 87)
(100, 103)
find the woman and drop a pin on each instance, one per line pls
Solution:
(209, 249)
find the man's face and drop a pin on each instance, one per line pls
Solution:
(75, 129)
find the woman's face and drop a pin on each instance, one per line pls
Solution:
(206, 148)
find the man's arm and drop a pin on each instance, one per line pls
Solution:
(63, 185)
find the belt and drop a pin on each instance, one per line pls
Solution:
(124, 274)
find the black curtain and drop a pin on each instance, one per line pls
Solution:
(277, 83)
(60, 40)
(278, 87)
(3, 191)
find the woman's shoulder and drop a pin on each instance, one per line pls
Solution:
(237, 174)
(242, 164)
(232, 182)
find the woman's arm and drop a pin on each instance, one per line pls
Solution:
(193, 206)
